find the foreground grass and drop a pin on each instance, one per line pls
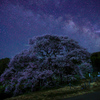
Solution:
(58, 93)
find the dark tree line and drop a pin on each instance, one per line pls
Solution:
(95, 59)
(4, 64)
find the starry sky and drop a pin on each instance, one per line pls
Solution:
(20, 20)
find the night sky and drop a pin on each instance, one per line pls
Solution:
(20, 20)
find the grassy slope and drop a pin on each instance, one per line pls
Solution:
(55, 94)
(59, 93)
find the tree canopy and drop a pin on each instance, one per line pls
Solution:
(49, 61)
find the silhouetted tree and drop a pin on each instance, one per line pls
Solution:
(95, 59)
(4, 64)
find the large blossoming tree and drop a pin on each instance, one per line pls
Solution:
(50, 61)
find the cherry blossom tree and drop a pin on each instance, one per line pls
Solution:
(50, 61)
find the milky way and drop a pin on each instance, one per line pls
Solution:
(23, 19)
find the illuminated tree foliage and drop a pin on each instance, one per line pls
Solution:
(50, 61)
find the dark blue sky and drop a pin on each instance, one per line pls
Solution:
(23, 19)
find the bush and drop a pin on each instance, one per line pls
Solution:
(77, 81)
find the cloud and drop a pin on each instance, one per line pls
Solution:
(70, 26)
